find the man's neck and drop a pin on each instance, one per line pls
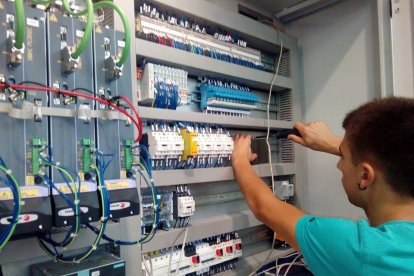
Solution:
(389, 206)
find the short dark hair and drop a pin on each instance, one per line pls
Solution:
(382, 131)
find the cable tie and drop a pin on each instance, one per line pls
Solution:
(76, 261)
(58, 164)
(76, 201)
(94, 247)
(8, 171)
(64, 248)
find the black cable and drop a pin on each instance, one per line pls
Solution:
(83, 89)
(34, 83)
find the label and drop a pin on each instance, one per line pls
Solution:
(65, 189)
(119, 206)
(117, 185)
(22, 219)
(121, 43)
(30, 193)
(6, 195)
(30, 180)
(123, 174)
(32, 22)
(79, 33)
(68, 212)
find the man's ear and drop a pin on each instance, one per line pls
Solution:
(367, 174)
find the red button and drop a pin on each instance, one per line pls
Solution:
(219, 252)
(26, 218)
(195, 259)
(229, 249)
(238, 246)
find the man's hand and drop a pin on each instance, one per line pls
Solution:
(242, 149)
(317, 136)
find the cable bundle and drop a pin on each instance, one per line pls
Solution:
(10, 181)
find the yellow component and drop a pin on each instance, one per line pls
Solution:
(29, 180)
(66, 190)
(116, 185)
(25, 193)
(190, 144)
(123, 174)
(6, 195)
(30, 193)
(81, 176)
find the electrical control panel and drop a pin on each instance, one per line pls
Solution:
(81, 151)
(60, 168)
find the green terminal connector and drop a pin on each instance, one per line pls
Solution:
(128, 153)
(37, 144)
(86, 154)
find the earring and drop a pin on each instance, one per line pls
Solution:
(359, 186)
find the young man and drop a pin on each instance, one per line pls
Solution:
(377, 165)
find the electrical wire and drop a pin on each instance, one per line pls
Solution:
(43, 2)
(124, 19)
(268, 130)
(20, 20)
(75, 206)
(287, 269)
(88, 27)
(12, 183)
(75, 94)
(127, 31)
(147, 270)
(181, 252)
(276, 264)
(172, 249)
(105, 203)
(135, 112)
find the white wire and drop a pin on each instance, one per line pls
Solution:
(287, 269)
(148, 271)
(268, 110)
(279, 267)
(277, 258)
(268, 132)
(182, 252)
(172, 247)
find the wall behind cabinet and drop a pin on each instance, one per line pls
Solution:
(340, 70)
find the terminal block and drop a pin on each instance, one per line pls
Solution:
(37, 146)
(227, 98)
(128, 157)
(86, 163)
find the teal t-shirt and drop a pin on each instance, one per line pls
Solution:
(333, 246)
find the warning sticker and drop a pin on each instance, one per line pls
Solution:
(117, 185)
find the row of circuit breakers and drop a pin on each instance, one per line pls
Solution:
(61, 135)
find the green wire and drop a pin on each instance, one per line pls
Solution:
(6, 171)
(43, 2)
(77, 219)
(127, 32)
(88, 28)
(19, 18)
